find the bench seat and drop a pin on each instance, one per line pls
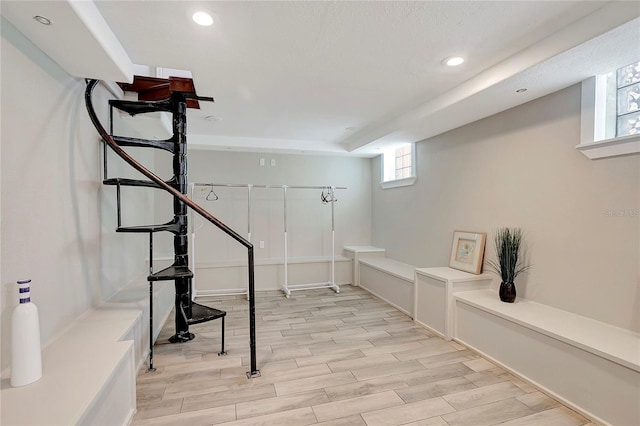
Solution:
(390, 280)
(591, 366)
(88, 375)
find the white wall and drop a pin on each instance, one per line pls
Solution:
(58, 221)
(309, 221)
(521, 168)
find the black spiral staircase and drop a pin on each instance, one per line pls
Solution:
(171, 95)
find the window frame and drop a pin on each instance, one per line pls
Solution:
(594, 140)
(620, 88)
(391, 155)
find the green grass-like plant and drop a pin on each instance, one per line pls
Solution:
(509, 263)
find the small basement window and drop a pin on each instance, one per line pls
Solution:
(611, 113)
(628, 100)
(398, 166)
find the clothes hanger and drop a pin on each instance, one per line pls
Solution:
(212, 192)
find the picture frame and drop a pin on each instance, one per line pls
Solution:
(467, 251)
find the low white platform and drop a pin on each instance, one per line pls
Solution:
(89, 370)
(390, 280)
(434, 302)
(88, 376)
(589, 365)
(361, 252)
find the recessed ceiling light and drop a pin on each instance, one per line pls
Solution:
(212, 118)
(42, 20)
(524, 89)
(202, 18)
(453, 61)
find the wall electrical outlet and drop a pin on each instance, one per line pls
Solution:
(262, 161)
(273, 161)
(261, 244)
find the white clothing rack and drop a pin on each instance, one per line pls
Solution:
(192, 262)
(286, 288)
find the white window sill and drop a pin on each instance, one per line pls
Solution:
(613, 147)
(398, 182)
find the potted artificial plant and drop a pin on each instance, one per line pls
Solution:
(509, 263)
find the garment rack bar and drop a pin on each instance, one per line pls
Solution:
(245, 185)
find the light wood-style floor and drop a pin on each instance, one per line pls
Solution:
(332, 359)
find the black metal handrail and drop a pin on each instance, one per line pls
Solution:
(91, 84)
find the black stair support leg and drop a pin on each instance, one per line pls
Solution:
(254, 372)
(222, 351)
(151, 368)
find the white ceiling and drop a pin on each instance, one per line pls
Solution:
(341, 77)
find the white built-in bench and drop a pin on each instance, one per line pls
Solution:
(88, 376)
(591, 366)
(89, 370)
(434, 302)
(389, 280)
(355, 253)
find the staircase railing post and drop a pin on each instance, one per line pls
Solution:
(252, 315)
(151, 368)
